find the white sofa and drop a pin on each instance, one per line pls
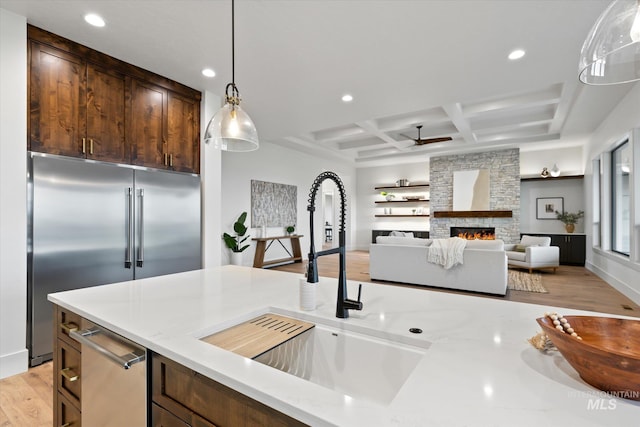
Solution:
(533, 252)
(404, 259)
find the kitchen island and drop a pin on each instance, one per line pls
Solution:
(477, 368)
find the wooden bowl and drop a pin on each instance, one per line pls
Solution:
(607, 357)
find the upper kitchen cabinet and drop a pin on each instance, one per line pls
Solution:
(86, 104)
(76, 108)
(106, 93)
(164, 131)
(146, 131)
(56, 95)
(183, 145)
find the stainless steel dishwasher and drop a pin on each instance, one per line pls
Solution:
(113, 378)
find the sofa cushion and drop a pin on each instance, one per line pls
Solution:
(403, 241)
(517, 256)
(535, 240)
(401, 234)
(520, 248)
(491, 245)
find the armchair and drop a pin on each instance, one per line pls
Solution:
(533, 252)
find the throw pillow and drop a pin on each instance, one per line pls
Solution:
(521, 248)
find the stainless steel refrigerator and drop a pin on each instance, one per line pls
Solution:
(92, 223)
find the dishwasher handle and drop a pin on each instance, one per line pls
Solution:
(125, 361)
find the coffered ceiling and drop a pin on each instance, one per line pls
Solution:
(439, 64)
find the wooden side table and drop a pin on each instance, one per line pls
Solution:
(295, 255)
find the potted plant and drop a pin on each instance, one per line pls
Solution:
(235, 242)
(290, 229)
(569, 219)
(388, 196)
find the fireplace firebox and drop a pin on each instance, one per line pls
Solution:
(474, 233)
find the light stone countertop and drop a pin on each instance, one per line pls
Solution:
(479, 369)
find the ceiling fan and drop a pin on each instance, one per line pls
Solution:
(421, 141)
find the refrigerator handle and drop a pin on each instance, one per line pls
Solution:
(140, 259)
(128, 255)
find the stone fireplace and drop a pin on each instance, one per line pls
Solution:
(504, 192)
(474, 233)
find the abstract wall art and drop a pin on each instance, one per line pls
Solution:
(273, 205)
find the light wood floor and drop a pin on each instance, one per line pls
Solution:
(26, 399)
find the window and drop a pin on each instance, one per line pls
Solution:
(620, 198)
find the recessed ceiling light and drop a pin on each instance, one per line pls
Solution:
(347, 98)
(516, 54)
(208, 72)
(94, 20)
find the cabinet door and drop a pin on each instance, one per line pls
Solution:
(56, 101)
(105, 139)
(146, 124)
(183, 133)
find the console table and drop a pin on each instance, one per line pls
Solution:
(262, 247)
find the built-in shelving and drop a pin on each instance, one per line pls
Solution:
(550, 178)
(401, 216)
(395, 187)
(406, 203)
(403, 201)
(472, 214)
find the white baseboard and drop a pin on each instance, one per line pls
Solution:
(14, 363)
(622, 287)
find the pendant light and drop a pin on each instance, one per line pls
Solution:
(611, 52)
(231, 128)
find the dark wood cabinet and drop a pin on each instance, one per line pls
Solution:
(56, 101)
(182, 133)
(573, 247)
(146, 132)
(199, 401)
(105, 119)
(83, 103)
(76, 109)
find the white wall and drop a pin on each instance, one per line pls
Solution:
(619, 271)
(571, 190)
(569, 161)
(274, 163)
(211, 187)
(13, 194)
(368, 179)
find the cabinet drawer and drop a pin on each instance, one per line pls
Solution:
(69, 372)
(196, 399)
(67, 414)
(160, 417)
(65, 322)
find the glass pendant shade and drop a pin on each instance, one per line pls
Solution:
(231, 129)
(611, 51)
(555, 171)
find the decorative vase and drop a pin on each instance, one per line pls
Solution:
(389, 198)
(570, 227)
(236, 258)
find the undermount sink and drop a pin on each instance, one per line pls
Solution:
(353, 364)
(358, 364)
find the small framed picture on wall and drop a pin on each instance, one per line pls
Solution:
(546, 207)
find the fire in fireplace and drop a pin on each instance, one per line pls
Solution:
(474, 233)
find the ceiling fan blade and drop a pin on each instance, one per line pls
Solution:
(432, 140)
